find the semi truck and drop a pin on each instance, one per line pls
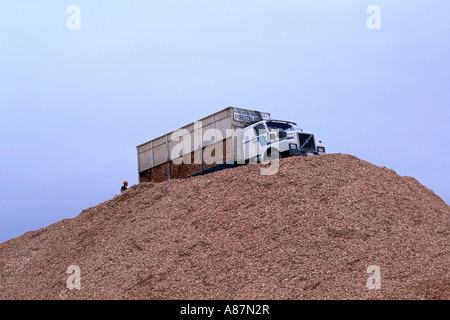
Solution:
(227, 138)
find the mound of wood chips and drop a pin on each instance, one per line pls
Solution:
(324, 227)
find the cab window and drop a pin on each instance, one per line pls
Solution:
(260, 129)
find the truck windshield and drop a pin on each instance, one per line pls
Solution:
(278, 126)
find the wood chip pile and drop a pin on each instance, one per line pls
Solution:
(318, 229)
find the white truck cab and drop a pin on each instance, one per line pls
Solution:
(264, 138)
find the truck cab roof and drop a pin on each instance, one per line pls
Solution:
(281, 121)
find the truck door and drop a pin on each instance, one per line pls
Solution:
(260, 143)
(254, 141)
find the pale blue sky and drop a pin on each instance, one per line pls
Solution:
(74, 104)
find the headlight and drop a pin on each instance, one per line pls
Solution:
(292, 146)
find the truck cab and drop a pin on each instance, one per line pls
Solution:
(263, 138)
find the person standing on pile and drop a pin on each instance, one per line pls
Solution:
(124, 187)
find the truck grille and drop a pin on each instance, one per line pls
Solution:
(307, 141)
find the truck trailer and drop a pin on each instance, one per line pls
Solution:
(230, 137)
